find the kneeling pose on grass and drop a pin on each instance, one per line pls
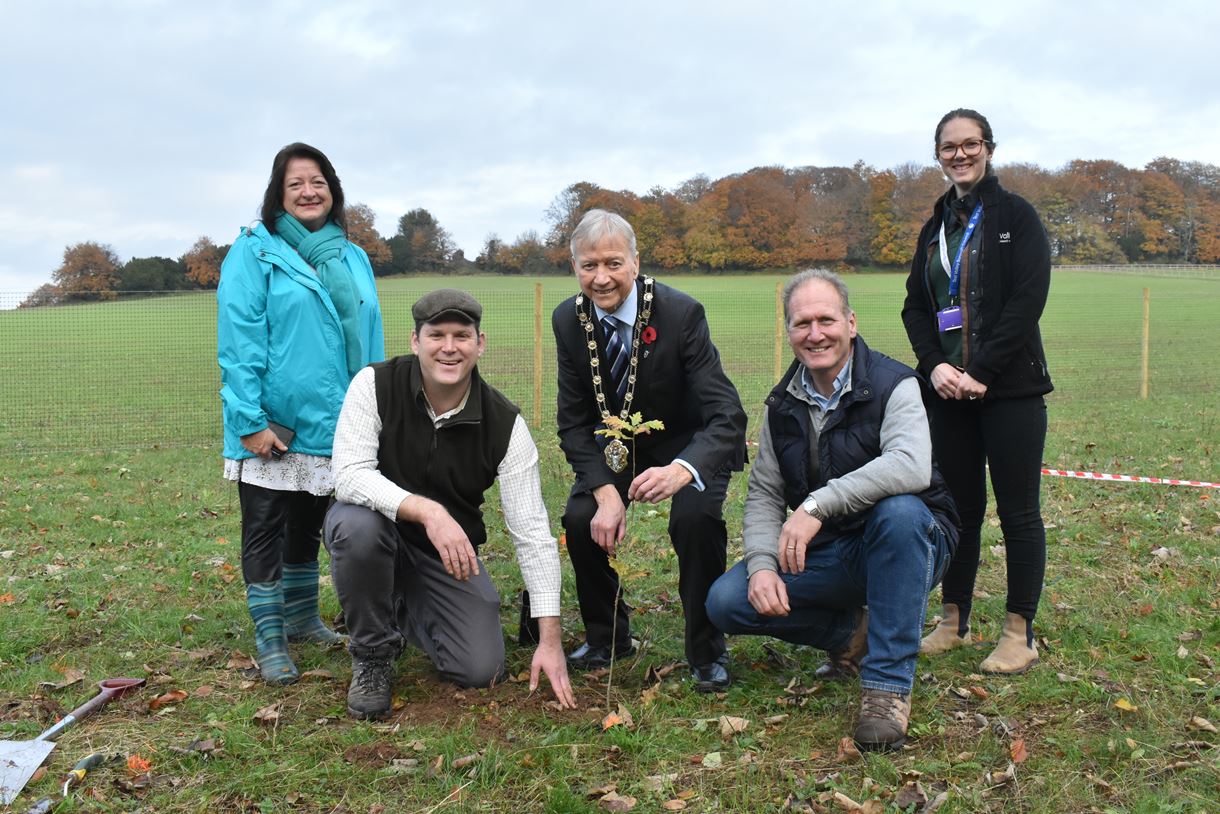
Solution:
(420, 438)
(844, 444)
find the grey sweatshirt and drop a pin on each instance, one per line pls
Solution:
(904, 467)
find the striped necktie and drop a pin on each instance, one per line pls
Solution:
(616, 354)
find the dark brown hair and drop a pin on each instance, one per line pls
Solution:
(273, 198)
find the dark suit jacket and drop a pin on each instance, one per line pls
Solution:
(679, 381)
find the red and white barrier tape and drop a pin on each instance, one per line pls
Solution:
(1063, 473)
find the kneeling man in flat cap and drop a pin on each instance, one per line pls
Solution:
(419, 440)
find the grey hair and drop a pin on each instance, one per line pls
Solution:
(802, 277)
(599, 223)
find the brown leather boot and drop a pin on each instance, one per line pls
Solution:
(953, 631)
(846, 663)
(883, 721)
(1016, 651)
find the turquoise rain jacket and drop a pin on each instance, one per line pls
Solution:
(280, 344)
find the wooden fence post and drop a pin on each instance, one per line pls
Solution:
(537, 355)
(1144, 359)
(780, 330)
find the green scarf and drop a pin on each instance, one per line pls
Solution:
(322, 250)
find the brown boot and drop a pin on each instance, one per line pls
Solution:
(846, 663)
(883, 721)
(953, 631)
(1016, 651)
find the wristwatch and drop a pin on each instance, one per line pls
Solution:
(812, 509)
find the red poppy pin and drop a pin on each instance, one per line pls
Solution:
(649, 335)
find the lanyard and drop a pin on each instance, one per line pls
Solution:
(955, 272)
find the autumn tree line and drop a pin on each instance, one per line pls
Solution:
(1096, 212)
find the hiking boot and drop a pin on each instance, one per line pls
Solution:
(952, 632)
(371, 691)
(846, 663)
(1016, 651)
(883, 721)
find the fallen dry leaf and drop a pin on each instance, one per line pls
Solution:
(844, 802)
(911, 793)
(979, 693)
(203, 746)
(1006, 776)
(732, 726)
(673, 805)
(7, 599)
(171, 697)
(712, 760)
(239, 661)
(1125, 705)
(1201, 724)
(71, 677)
(268, 715)
(617, 802)
(935, 803)
(1017, 751)
(434, 766)
(203, 691)
(611, 719)
(654, 675)
(321, 675)
(465, 760)
(847, 750)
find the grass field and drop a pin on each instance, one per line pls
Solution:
(119, 556)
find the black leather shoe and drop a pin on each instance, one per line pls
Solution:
(714, 677)
(588, 657)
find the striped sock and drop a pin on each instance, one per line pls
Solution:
(266, 603)
(301, 621)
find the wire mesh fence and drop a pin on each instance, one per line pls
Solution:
(140, 370)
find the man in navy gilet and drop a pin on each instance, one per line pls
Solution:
(847, 524)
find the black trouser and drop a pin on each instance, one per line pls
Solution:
(698, 534)
(277, 527)
(1007, 436)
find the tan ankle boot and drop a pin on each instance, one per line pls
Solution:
(1016, 652)
(945, 636)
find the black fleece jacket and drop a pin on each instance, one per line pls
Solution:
(1003, 294)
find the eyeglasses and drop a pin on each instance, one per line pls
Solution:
(969, 148)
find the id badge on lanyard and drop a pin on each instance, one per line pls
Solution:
(950, 319)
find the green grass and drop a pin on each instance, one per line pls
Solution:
(127, 562)
(142, 372)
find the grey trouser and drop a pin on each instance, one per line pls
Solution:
(392, 594)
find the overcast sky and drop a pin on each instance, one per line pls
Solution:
(144, 124)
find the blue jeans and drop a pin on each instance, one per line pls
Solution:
(891, 566)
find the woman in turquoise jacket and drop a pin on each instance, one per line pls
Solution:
(297, 318)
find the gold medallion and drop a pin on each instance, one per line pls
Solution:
(616, 456)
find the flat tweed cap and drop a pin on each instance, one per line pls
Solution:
(449, 302)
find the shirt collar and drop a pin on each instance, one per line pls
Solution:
(842, 385)
(437, 420)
